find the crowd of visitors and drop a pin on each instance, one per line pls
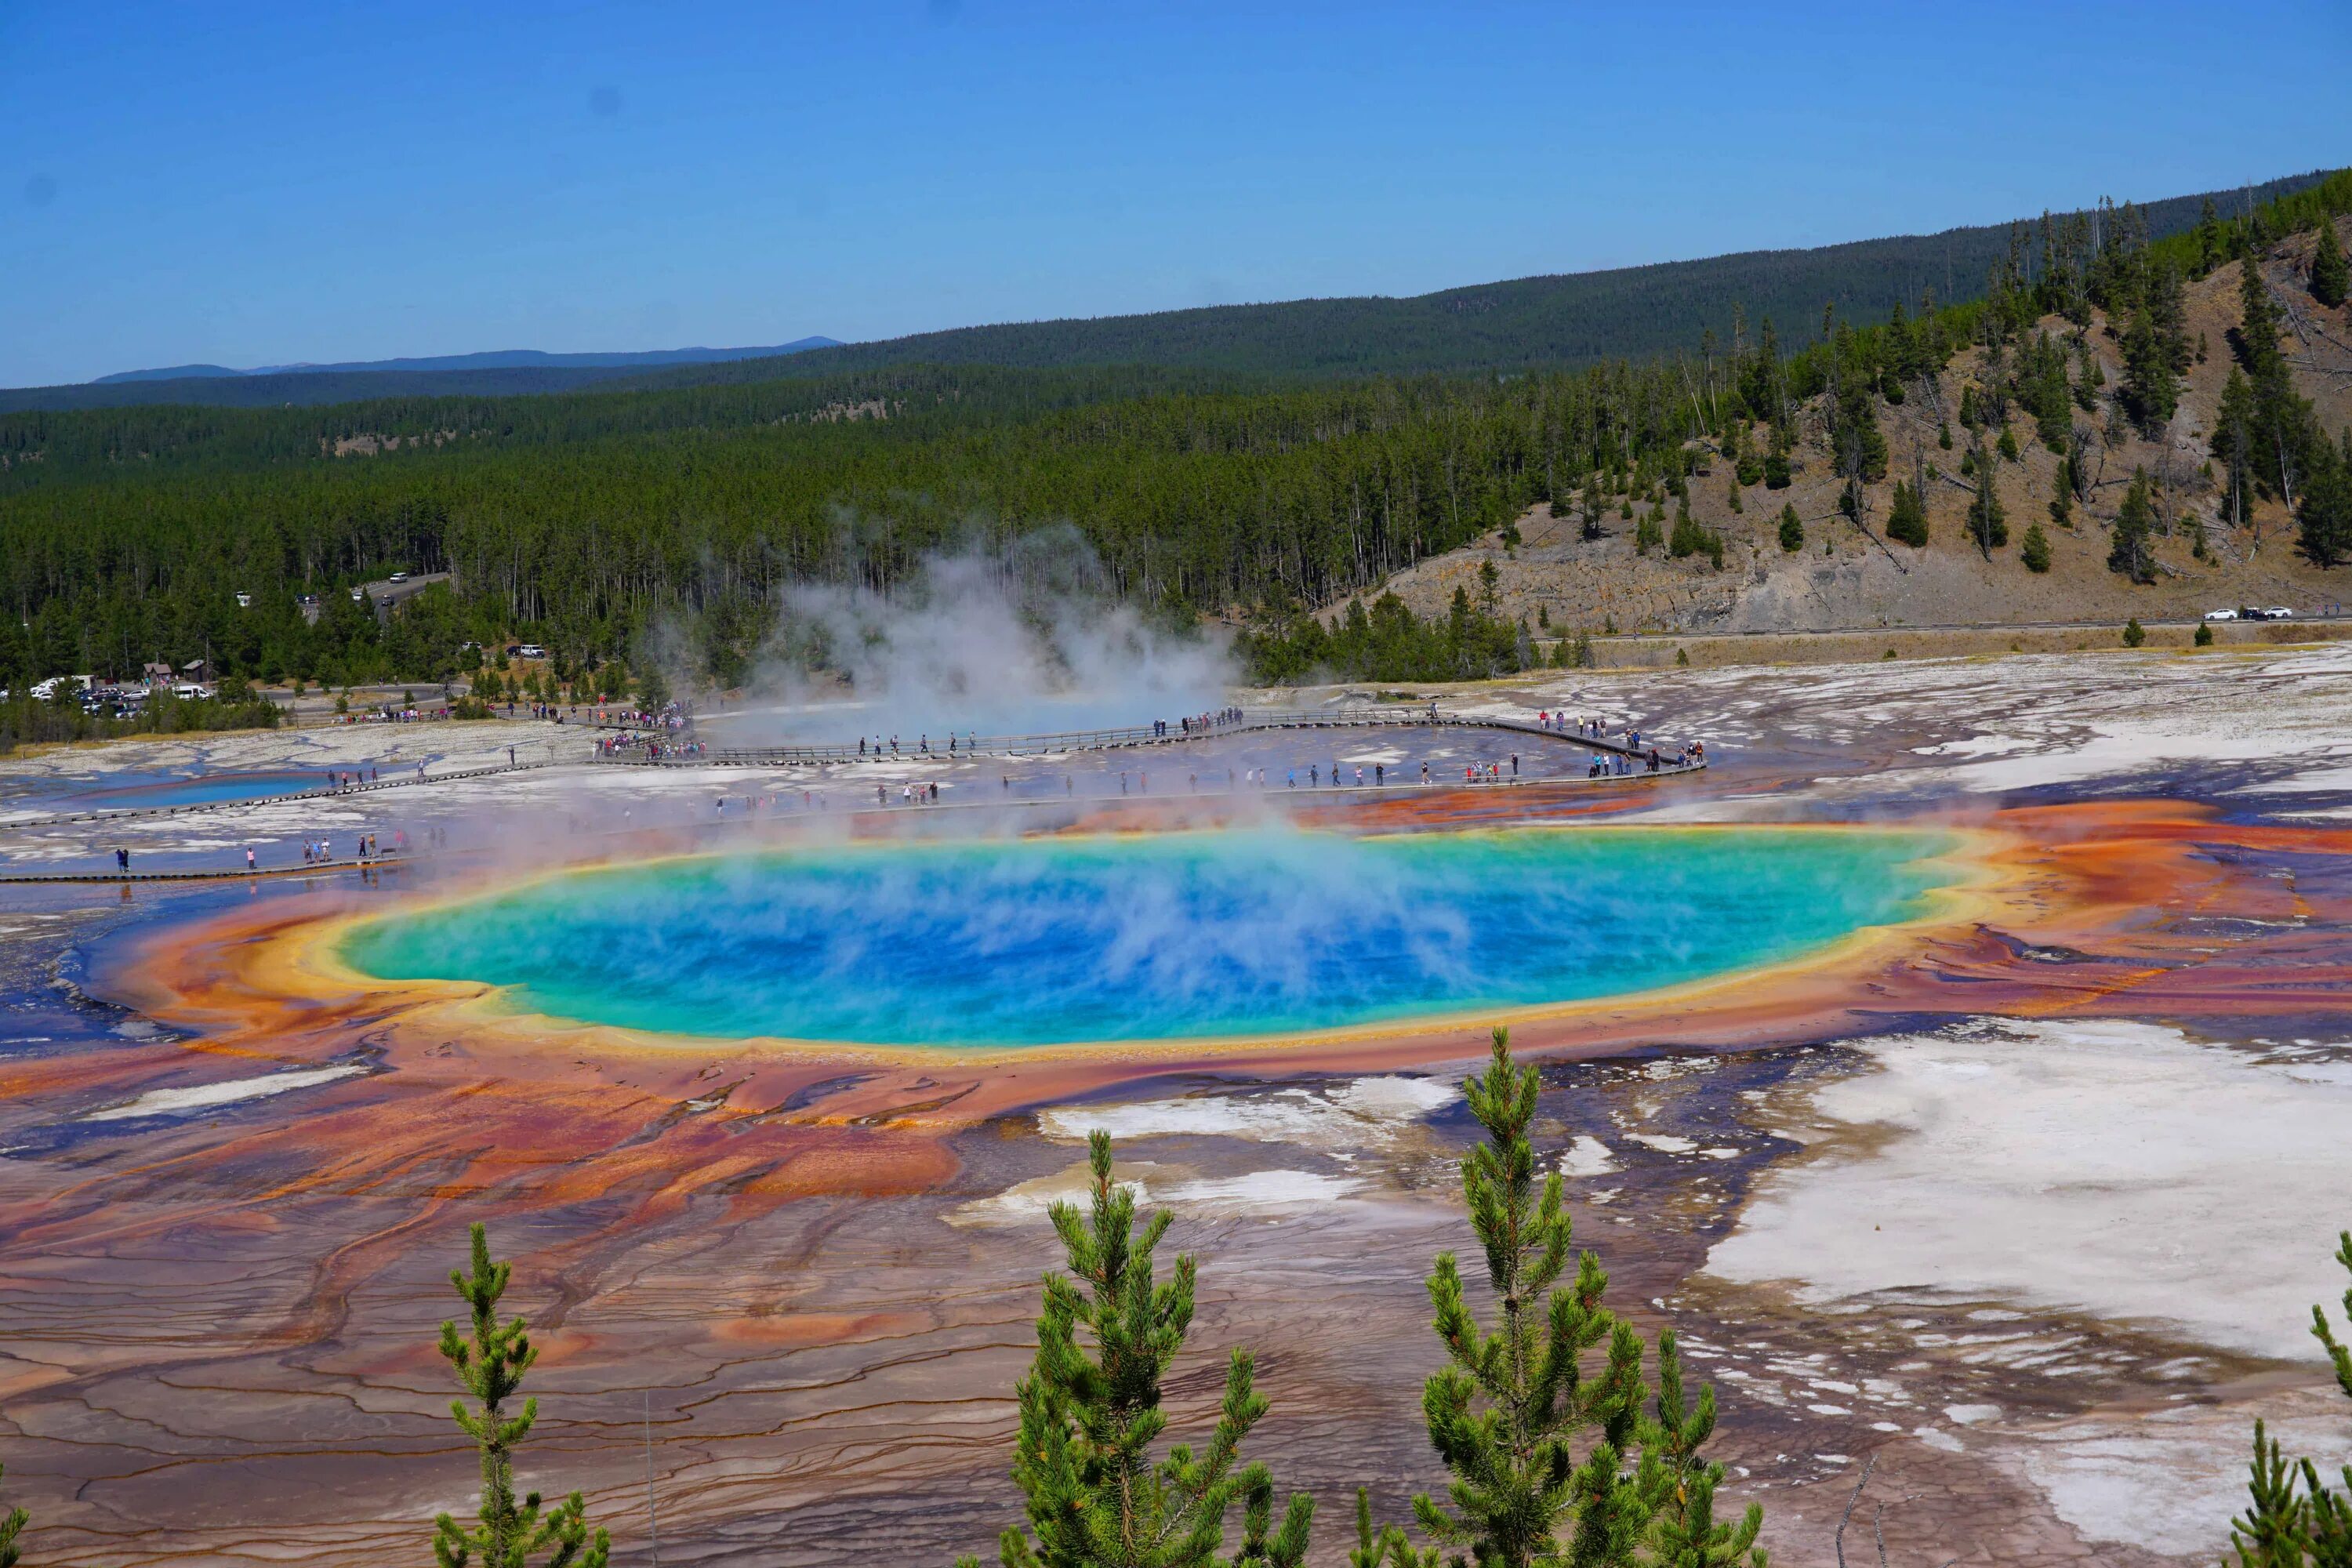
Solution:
(651, 747)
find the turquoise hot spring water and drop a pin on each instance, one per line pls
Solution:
(1045, 942)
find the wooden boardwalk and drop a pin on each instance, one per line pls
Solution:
(1001, 747)
(1065, 743)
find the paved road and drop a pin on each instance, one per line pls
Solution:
(2300, 620)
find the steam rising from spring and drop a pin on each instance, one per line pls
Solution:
(1025, 639)
(1020, 942)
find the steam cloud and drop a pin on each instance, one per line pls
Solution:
(1021, 639)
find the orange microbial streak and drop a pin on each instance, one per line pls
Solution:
(2053, 912)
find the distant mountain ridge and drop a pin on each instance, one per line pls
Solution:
(1558, 321)
(494, 359)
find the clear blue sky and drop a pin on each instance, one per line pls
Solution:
(265, 183)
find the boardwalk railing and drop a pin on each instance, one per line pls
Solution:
(529, 755)
(1061, 743)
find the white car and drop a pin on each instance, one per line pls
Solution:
(532, 650)
(2278, 613)
(2220, 615)
(399, 577)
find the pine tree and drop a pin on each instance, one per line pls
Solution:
(1387, 1546)
(2272, 1533)
(1907, 517)
(2234, 442)
(2330, 1508)
(2314, 1530)
(1988, 520)
(2155, 352)
(2285, 439)
(2331, 279)
(11, 1525)
(2088, 379)
(2258, 319)
(1686, 1534)
(2129, 551)
(1589, 518)
(1689, 537)
(2134, 633)
(2212, 244)
(1095, 1500)
(1506, 1415)
(1792, 528)
(2035, 552)
(2324, 518)
(490, 1364)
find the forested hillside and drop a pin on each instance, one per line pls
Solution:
(1563, 322)
(306, 387)
(510, 373)
(582, 521)
(492, 359)
(1569, 320)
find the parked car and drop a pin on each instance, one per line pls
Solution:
(399, 577)
(532, 650)
(2220, 615)
(2278, 613)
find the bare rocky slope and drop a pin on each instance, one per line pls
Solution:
(1848, 577)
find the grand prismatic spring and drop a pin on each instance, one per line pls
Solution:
(1932, 1062)
(1061, 941)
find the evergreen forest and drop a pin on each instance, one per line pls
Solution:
(586, 520)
